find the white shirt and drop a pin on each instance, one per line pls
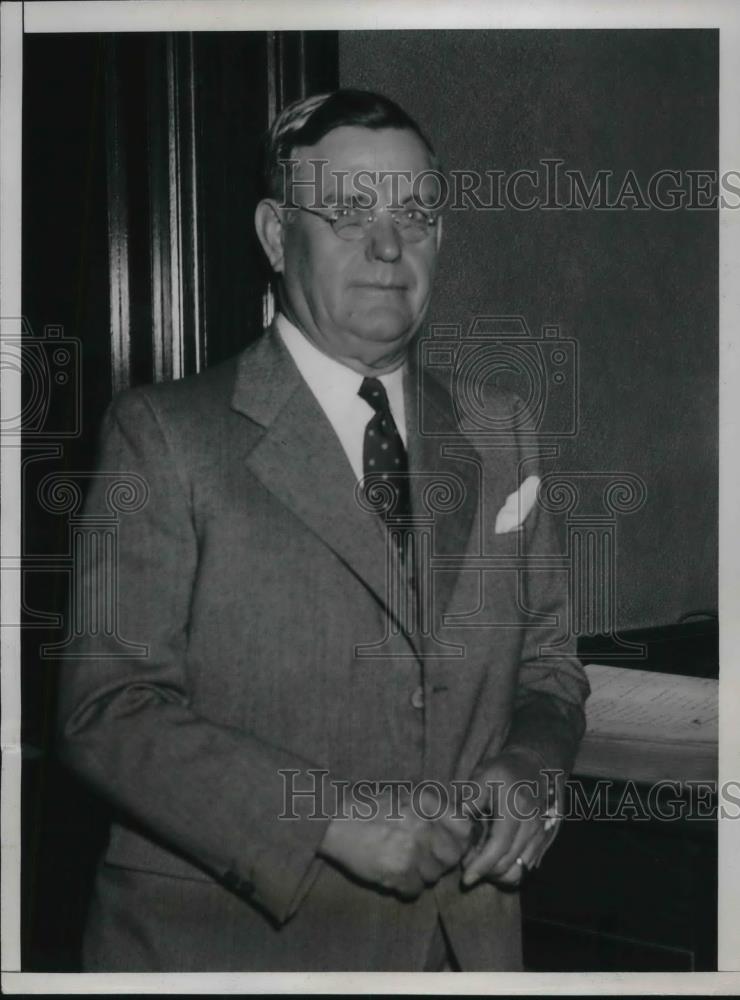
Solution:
(335, 386)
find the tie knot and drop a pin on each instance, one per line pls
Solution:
(373, 392)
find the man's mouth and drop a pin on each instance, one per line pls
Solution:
(380, 286)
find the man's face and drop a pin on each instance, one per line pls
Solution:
(359, 301)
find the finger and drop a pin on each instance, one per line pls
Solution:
(524, 840)
(429, 868)
(503, 832)
(512, 876)
(423, 858)
(533, 852)
(497, 836)
(455, 825)
(446, 852)
(548, 837)
(525, 845)
(478, 838)
(446, 847)
(460, 835)
(523, 863)
(458, 826)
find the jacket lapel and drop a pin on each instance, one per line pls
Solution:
(439, 450)
(300, 460)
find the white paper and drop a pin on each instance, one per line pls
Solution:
(641, 704)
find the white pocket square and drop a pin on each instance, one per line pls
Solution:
(514, 512)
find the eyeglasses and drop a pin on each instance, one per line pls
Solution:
(413, 224)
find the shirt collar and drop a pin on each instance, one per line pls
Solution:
(327, 377)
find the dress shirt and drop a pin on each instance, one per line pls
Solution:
(336, 388)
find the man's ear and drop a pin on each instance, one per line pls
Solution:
(269, 228)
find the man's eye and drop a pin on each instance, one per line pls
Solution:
(417, 215)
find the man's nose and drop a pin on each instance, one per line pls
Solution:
(384, 240)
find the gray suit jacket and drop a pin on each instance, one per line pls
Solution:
(252, 576)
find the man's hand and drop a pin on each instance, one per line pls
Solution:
(513, 790)
(402, 855)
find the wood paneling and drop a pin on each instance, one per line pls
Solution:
(140, 262)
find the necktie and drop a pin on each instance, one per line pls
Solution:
(384, 455)
(385, 461)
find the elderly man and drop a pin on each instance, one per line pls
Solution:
(308, 668)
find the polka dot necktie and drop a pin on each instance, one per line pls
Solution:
(384, 454)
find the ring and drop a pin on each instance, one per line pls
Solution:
(522, 864)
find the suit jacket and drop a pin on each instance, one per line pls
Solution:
(258, 585)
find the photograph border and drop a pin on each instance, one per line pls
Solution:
(17, 18)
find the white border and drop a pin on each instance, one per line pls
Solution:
(263, 15)
(224, 15)
(347, 983)
(11, 54)
(728, 908)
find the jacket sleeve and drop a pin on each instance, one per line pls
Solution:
(126, 724)
(548, 717)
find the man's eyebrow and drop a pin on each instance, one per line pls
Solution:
(350, 200)
(366, 201)
(414, 201)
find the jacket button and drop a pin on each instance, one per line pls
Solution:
(237, 884)
(417, 698)
(231, 879)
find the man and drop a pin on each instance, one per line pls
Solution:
(299, 640)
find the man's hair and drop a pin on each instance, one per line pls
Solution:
(306, 122)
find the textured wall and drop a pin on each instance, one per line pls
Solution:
(637, 290)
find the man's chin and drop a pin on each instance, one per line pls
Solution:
(376, 343)
(382, 327)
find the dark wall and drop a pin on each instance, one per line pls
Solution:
(72, 85)
(638, 290)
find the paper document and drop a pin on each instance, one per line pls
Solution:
(644, 705)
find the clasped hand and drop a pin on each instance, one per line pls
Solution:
(408, 852)
(514, 792)
(403, 854)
